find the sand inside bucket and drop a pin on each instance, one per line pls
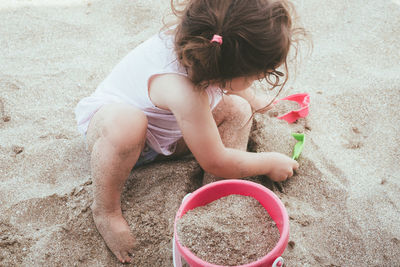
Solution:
(232, 230)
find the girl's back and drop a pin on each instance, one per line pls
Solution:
(129, 82)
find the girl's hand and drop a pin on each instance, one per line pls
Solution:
(282, 166)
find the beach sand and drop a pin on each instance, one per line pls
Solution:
(343, 202)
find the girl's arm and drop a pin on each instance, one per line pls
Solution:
(192, 111)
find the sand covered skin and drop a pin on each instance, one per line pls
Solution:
(343, 202)
(233, 230)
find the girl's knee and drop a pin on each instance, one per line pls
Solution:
(240, 108)
(122, 126)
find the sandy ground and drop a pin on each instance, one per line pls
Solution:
(343, 203)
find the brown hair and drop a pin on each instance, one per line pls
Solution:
(257, 36)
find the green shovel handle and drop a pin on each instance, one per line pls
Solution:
(298, 147)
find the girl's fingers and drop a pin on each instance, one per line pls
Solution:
(295, 165)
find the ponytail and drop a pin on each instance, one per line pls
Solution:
(201, 57)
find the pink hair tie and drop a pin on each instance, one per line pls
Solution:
(216, 38)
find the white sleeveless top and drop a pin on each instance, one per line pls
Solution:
(128, 83)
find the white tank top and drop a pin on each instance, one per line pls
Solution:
(128, 83)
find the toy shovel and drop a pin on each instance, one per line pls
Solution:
(298, 147)
(303, 100)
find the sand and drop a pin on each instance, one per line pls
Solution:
(343, 202)
(233, 230)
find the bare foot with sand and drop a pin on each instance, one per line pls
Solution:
(116, 233)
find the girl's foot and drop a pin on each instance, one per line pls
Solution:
(116, 233)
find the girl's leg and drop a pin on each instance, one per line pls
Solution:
(115, 137)
(232, 116)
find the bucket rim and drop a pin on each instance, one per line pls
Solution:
(276, 252)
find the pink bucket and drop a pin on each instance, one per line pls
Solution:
(214, 191)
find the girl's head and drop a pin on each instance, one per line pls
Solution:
(256, 37)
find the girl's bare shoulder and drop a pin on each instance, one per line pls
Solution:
(175, 92)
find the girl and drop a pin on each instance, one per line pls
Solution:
(186, 87)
